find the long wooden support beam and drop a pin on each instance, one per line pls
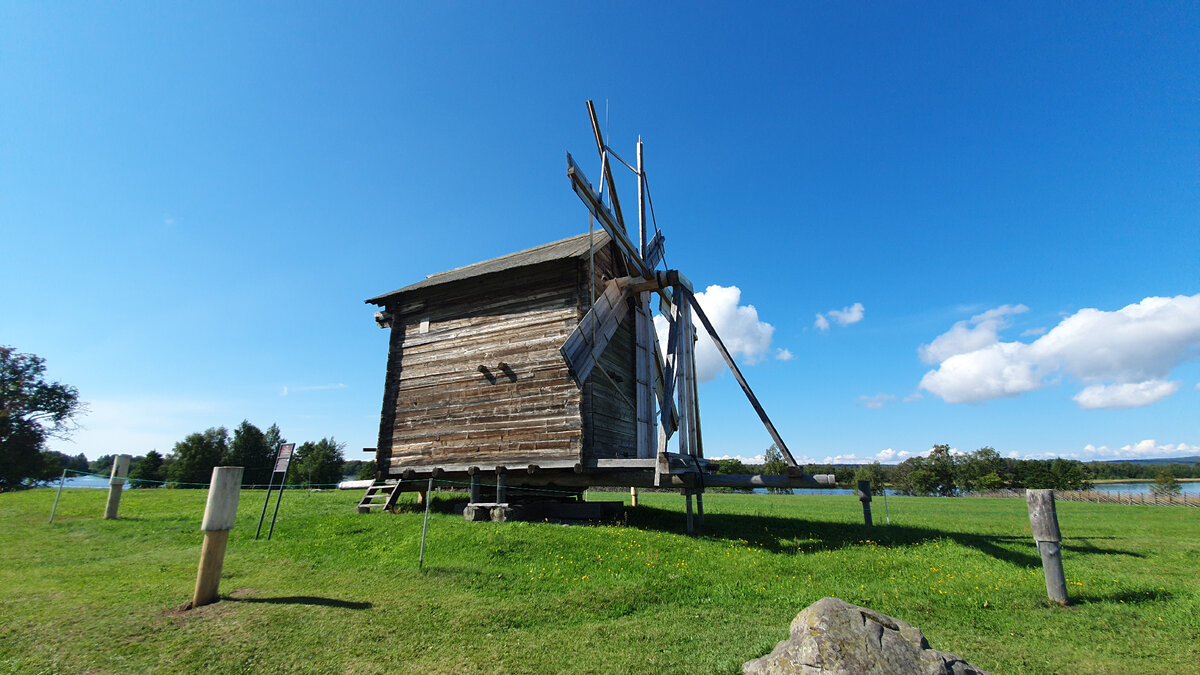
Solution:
(762, 414)
(583, 188)
(612, 186)
(634, 478)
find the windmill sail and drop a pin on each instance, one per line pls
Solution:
(586, 344)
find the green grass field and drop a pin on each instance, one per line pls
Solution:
(339, 592)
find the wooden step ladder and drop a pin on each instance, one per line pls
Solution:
(381, 495)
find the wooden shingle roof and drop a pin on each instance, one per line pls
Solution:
(571, 247)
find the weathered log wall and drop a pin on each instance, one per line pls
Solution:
(475, 376)
(478, 377)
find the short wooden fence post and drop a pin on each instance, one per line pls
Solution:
(633, 496)
(864, 496)
(116, 482)
(1043, 520)
(219, 513)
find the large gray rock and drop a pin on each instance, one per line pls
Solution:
(834, 636)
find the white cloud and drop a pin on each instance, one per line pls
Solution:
(967, 336)
(886, 455)
(842, 317)
(844, 459)
(1123, 357)
(1127, 395)
(747, 338)
(1146, 449)
(875, 402)
(784, 355)
(915, 396)
(1033, 332)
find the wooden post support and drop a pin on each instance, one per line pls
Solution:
(864, 496)
(633, 496)
(700, 508)
(475, 488)
(690, 527)
(116, 482)
(219, 513)
(501, 486)
(1043, 520)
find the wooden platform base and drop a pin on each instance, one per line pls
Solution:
(541, 511)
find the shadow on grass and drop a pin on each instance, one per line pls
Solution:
(306, 600)
(798, 535)
(1125, 597)
(1085, 545)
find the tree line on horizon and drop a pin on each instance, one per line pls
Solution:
(947, 474)
(191, 461)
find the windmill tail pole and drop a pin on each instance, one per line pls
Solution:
(762, 414)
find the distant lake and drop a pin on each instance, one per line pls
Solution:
(1189, 489)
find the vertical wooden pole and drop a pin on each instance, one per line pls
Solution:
(633, 496)
(425, 525)
(475, 487)
(690, 526)
(116, 482)
(501, 486)
(1043, 520)
(219, 513)
(864, 496)
(700, 508)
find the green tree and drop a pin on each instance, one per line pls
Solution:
(873, 472)
(1068, 474)
(194, 457)
(971, 470)
(252, 450)
(366, 471)
(731, 467)
(988, 482)
(318, 463)
(31, 411)
(148, 471)
(1165, 485)
(942, 469)
(774, 465)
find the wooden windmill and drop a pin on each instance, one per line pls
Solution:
(666, 380)
(526, 372)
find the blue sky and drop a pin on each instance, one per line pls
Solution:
(998, 204)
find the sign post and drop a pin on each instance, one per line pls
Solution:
(283, 459)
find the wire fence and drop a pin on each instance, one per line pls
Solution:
(146, 482)
(1100, 497)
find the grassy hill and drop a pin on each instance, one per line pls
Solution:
(340, 592)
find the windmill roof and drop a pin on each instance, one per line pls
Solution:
(571, 247)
